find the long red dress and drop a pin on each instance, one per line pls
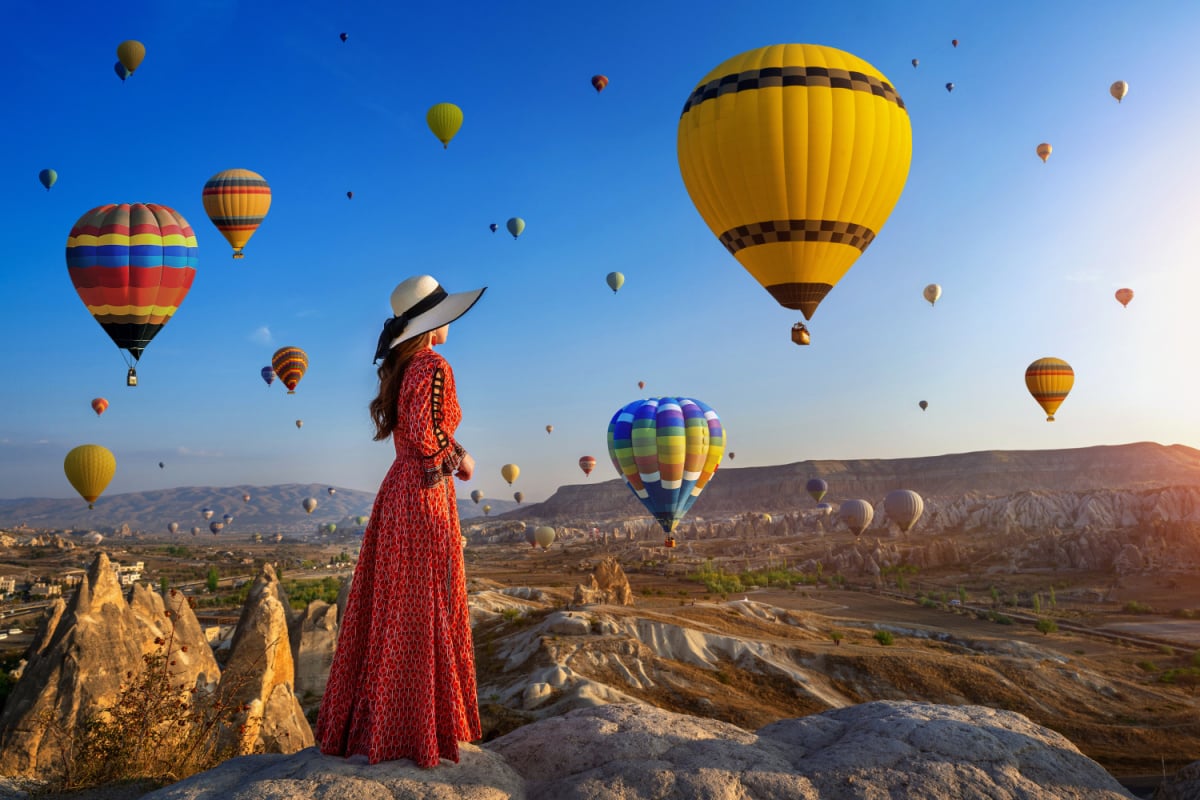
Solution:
(402, 683)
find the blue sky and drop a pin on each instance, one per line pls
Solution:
(1028, 254)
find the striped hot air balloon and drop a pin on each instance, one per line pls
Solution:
(237, 201)
(290, 364)
(587, 464)
(132, 265)
(903, 507)
(99, 405)
(1049, 380)
(667, 449)
(857, 515)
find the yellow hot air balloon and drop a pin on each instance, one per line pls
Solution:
(237, 201)
(795, 155)
(932, 293)
(1043, 150)
(1118, 90)
(510, 472)
(130, 53)
(444, 120)
(1049, 380)
(89, 468)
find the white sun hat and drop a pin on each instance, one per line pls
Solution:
(421, 305)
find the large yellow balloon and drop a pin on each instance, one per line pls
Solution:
(444, 119)
(1049, 380)
(130, 53)
(510, 472)
(795, 155)
(89, 468)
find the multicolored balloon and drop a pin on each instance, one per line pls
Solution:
(549, 429)
(195, 531)
(121, 71)
(290, 364)
(857, 514)
(237, 201)
(1044, 150)
(245, 498)
(476, 496)
(1049, 380)
(99, 405)
(1118, 90)
(915, 63)
(667, 449)
(949, 87)
(227, 519)
(816, 488)
(493, 227)
(132, 266)
(206, 513)
(641, 384)
(89, 468)
(216, 527)
(299, 424)
(795, 155)
(268, 375)
(444, 119)
(615, 281)
(587, 464)
(48, 178)
(1124, 296)
(599, 82)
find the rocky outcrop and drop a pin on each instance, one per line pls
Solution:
(83, 655)
(313, 635)
(1183, 785)
(636, 752)
(608, 585)
(259, 675)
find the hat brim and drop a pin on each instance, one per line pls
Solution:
(445, 312)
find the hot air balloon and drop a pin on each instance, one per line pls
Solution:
(599, 82)
(173, 527)
(1049, 380)
(932, 293)
(518, 496)
(48, 178)
(794, 177)
(344, 36)
(206, 513)
(667, 449)
(349, 195)
(1118, 90)
(268, 375)
(309, 503)
(1124, 296)
(857, 514)
(290, 364)
(544, 536)
(732, 456)
(587, 464)
(954, 42)
(332, 491)
(529, 536)
(510, 472)
(476, 496)
(299, 424)
(122, 73)
(216, 527)
(915, 63)
(132, 265)
(615, 280)
(641, 384)
(361, 520)
(161, 465)
(487, 510)
(89, 468)
(99, 405)
(924, 404)
(237, 201)
(903, 507)
(816, 488)
(245, 498)
(195, 531)
(824, 509)
(515, 226)
(444, 119)
(1043, 150)
(549, 429)
(227, 519)
(493, 227)
(949, 87)
(130, 54)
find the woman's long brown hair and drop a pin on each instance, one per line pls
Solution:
(384, 412)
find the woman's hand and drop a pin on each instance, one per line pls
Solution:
(466, 468)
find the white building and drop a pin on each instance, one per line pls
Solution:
(8, 585)
(129, 574)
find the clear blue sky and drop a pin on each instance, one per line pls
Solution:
(1028, 254)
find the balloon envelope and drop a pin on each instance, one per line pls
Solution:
(1124, 296)
(599, 82)
(667, 449)
(132, 266)
(99, 405)
(615, 280)
(510, 472)
(549, 429)
(309, 503)
(587, 464)
(949, 87)
(245, 498)
(1049, 380)
(903, 507)
(206, 513)
(487, 510)
(1044, 150)
(47, 177)
(299, 423)
(444, 119)
(332, 491)
(216, 527)
(518, 496)
(344, 36)
(89, 468)
(268, 375)
(290, 364)
(857, 515)
(932, 293)
(130, 54)
(121, 71)
(173, 527)
(237, 201)
(493, 227)
(1118, 90)
(816, 488)
(915, 63)
(476, 496)
(515, 226)
(795, 155)
(924, 404)
(544, 536)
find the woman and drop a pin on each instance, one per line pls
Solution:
(402, 683)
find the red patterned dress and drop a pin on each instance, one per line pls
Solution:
(402, 684)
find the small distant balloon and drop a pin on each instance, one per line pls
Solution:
(515, 226)
(549, 429)
(949, 87)
(245, 498)
(299, 424)
(344, 36)
(130, 54)
(332, 491)
(915, 63)
(122, 73)
(350, 195)
(1118, 90)
(615, 281)
(99, 405)
(518, 496)
(954, 42)
(309, 503)
(444, 119)
(903, 507)
(206, 513)
(544, 536)
(173, 527)
(587, 464)
(493, 227)
(268, 375)
(1043, 150)
(476, 496)
(857, 514)
(641, 384)
(227, 519)
(932, 293)
(216, 527)
(1124, 296)
(510, 472)
(47, 178)
(487, 510)
(924, 404)
(599, 82)
(195, 531)
(816, 488)
(161, 465)
(732, 456)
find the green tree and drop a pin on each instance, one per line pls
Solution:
(1037, 603)
(164, 585)
(884, 637)
(213, 579)
(995, 597)
(837, 637)
(1053, 599)
(1047, 626)
(962, 595)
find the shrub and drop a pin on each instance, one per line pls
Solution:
(836, 637)
(929, 602)
(1134, 607)
(1047, 626)
(885, 638)
(1147, 666)
(511, 614)
(998, 618)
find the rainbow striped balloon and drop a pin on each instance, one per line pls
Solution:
(237, 201)
(1049, 380)
(290, 364)
(132, 265)
(667, 449)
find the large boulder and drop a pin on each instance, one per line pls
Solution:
(313, 636)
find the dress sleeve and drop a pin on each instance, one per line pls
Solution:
(424, 418)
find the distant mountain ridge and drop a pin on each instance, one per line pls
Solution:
(1140, 465)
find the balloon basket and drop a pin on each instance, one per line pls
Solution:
(131, 377)
(800, 334)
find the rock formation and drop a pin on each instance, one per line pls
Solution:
(632, 751)
(83, 655)
(1183, 785)
(259, 675)
(608, 584)
(313, 635)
